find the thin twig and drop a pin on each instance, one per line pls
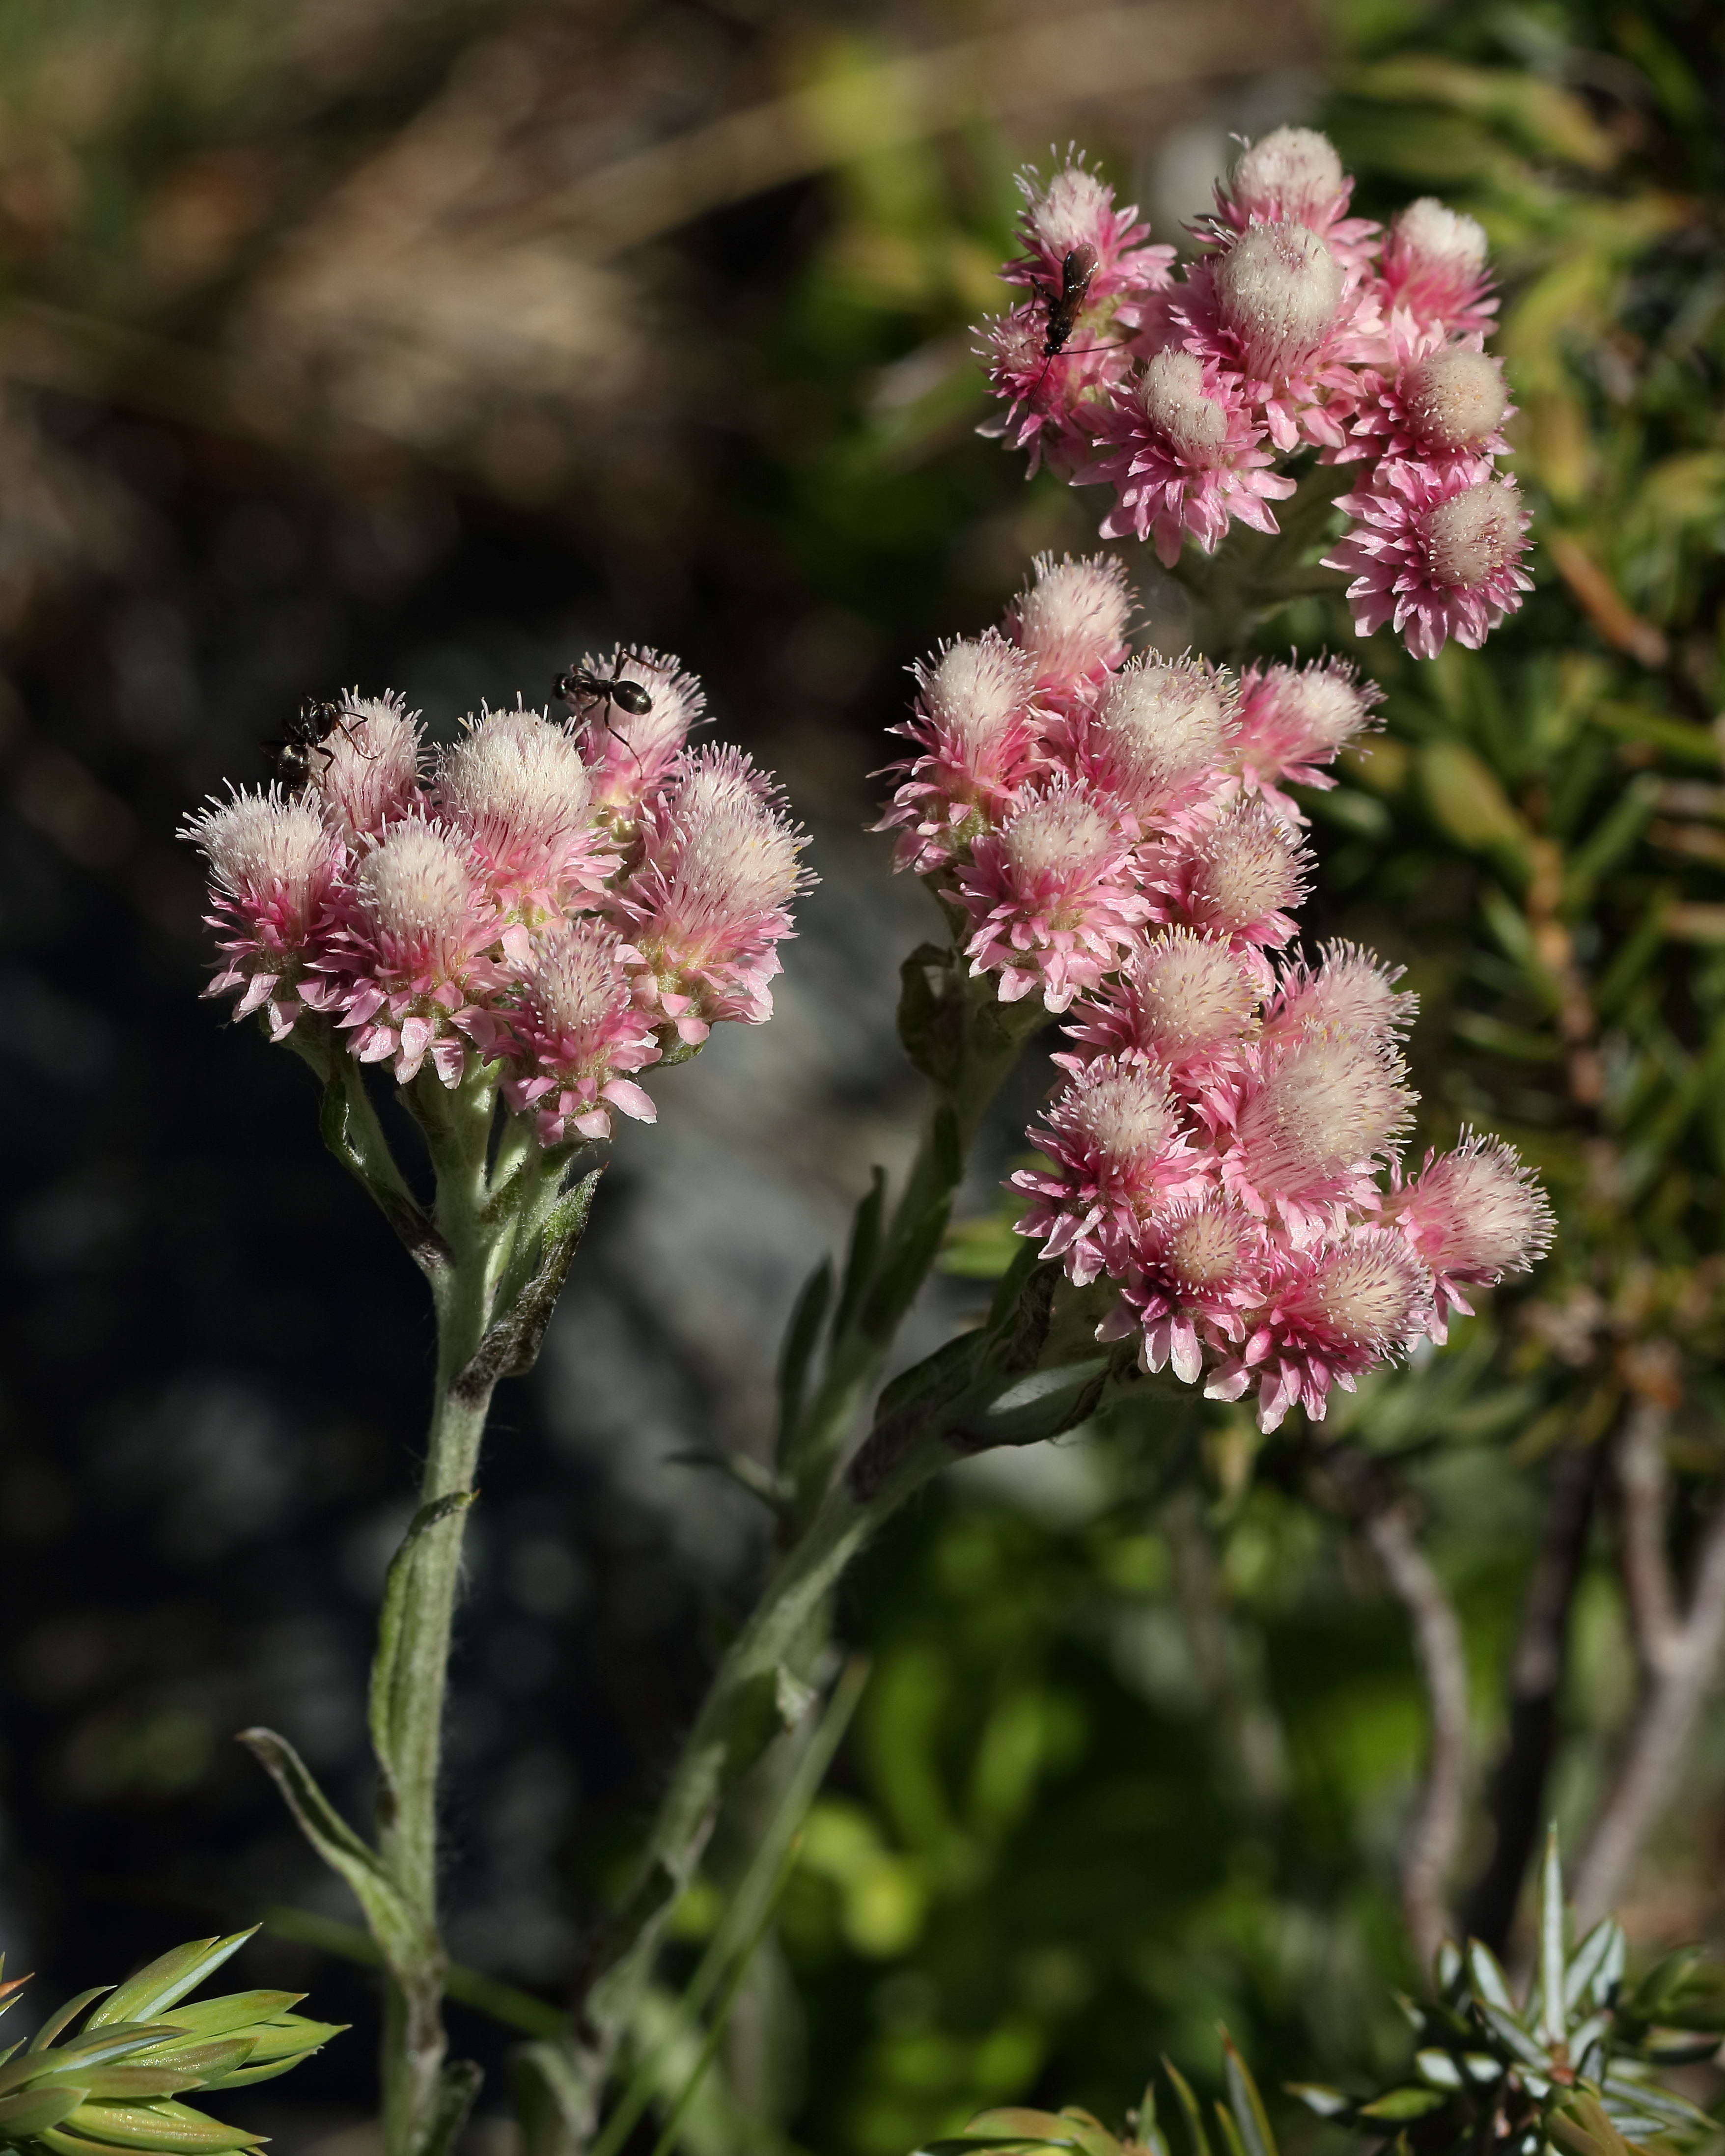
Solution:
(1679, 1648)
(1430, 1854)
(1536, 1678)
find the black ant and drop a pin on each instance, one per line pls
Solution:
(581, 684)
(304, 735)
(1078, 265)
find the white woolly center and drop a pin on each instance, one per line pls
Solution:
(1126, 1113)
(976, 688)
(1278, 287)
(1336, 1099)
(1058, 836)
(369, 763)
(517, 773)
(1435, 235)
(1191, 993)
(1072, 212)
(1073, 618)
(1491, 1217)
(416, 886)
(1456, 399)
(576, 982)
(1366, 1291)
(1171, 394)
(1294, 170)
(1472, 537)
(1203, 1250)
(1247, 869)
(1320, 707)
(259, 847)
(737, 858)
(1162, 724)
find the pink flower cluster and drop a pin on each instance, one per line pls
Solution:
(1225, 1140)
(571, 902)
(1296, 327)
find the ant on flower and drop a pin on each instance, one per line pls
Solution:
(580, 685)
(304, 735)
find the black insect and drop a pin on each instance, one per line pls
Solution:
(1078, 265)
(303, 737)
(580, 687)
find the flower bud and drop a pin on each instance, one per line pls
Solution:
(1455, 398)
(1278, 288)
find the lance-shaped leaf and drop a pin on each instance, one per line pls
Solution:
(146, 1996)
(165, 2125)
(33, 2110)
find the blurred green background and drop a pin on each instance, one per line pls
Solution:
(430, 344)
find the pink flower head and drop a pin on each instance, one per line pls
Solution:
(1307, 1131)
(1293, 720)
(1052, 896)
(1442, 405)
(1350, 987)
(1182, 1000)
(709, 905)
(1292, 175)
(366, 771)
(1182, 452)
(576, 1029)
(1075, 211)
(274, 863)
(1234, 878)
(1070, 623)
(980, 738)
(1197, 1267)
(1472, 1215)
(630, 753)
(1332, 1313)
(1160, 737)
(1438, 556)
(413, 950)
(1433, 270)
(517, 789)
(1049, 397)
(1117, 1150)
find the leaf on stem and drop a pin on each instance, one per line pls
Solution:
(511, 1347)
(801, 1338)
(390, 1676)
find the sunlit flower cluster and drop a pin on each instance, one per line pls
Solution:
(1114, 833)
(572, 901)
(1296, 325)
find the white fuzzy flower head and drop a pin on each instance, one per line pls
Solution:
(1170, 394)
(1432, 234)
(1055, 836)
(736, 858)
(1071, 212)
(366, 770)
(1455, 398)
(1070, 624)
(1278, 288)
(1334, 1101)
(1247, 868)
(975, 687)
(575, 982)
(1476, 535)
(262, 849)
(1477, 1212)
(518, 781)
(1292, 172)
(1162, 724)
(1352, 987)
(1201, 1249)
(1125, 1114)
(1366, 1292)
(418, 888)
(1187, 993)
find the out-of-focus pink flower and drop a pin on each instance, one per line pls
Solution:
(1117, 1149)
(980, 738)
(414, 948)
(1436, 557)
(1070, 621)
(709, 905)
(1472, 1215)
(1332, 1313)
(1294, 719)
(274, 865)
(1433, 270)
(1183, 455)
(1052, 896)
(366, 771)
(574, 1034)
